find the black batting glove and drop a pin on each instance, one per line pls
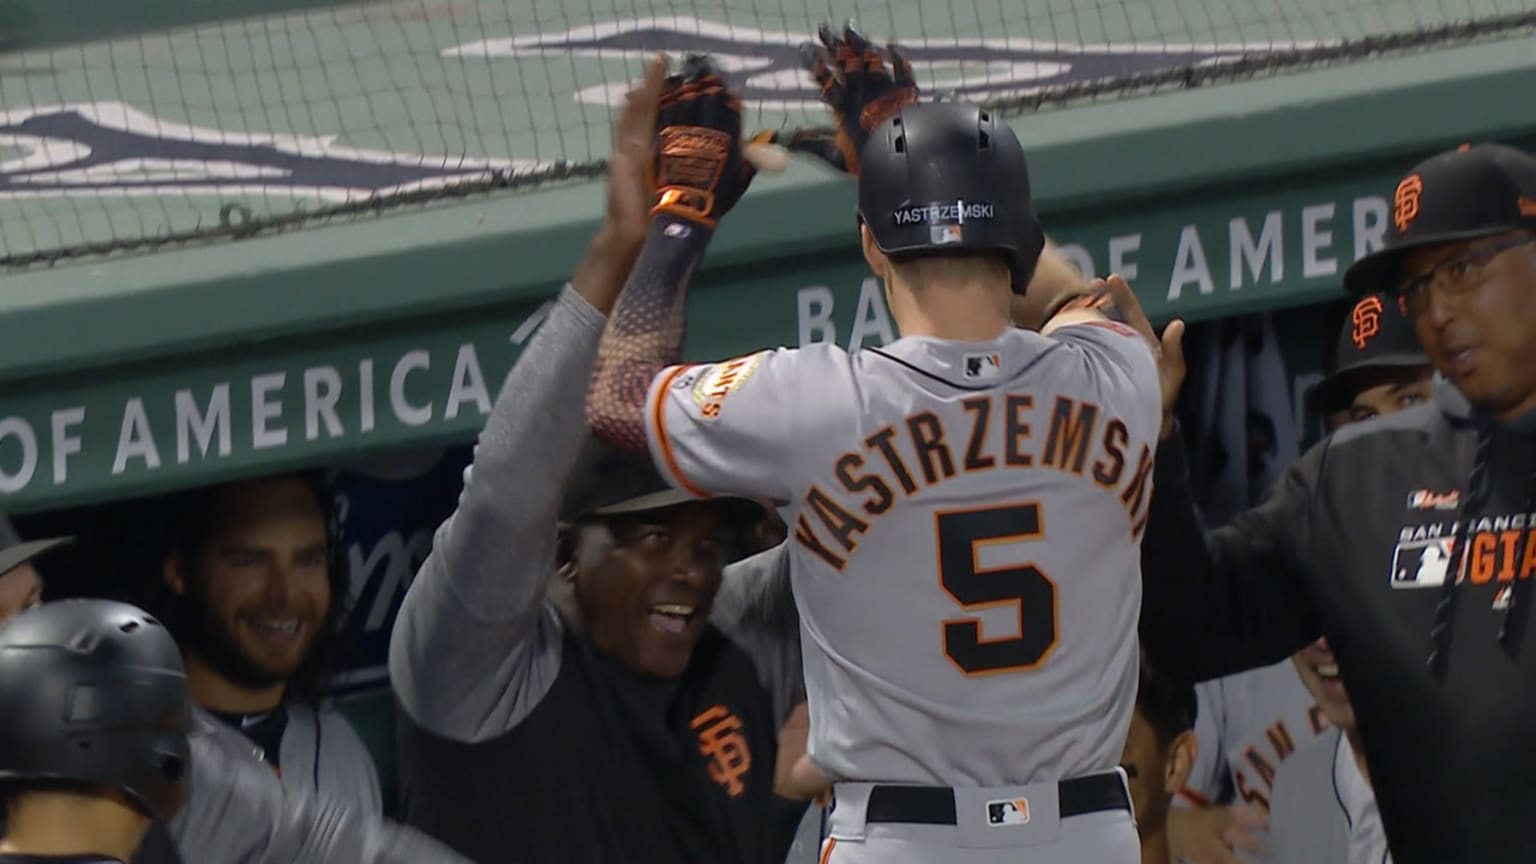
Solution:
(699, 170)
(862, 84)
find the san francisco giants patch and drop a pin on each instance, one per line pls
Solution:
(723, 379)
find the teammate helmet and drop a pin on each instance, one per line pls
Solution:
(94, 692)
(946, 177)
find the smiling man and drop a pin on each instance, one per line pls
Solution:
(1406, 540)
(254, 605)
(580, 676)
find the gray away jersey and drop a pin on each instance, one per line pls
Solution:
(965, 551)
(1247, 725)
(1323, 810)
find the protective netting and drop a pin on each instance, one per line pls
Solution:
(129, 126)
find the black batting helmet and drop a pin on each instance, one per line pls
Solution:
(94, 692)
(947, 177)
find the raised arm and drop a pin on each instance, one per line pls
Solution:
(1219, 602)
(474, 646)
(700, 174)
(1056, 284)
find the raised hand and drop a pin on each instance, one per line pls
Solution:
(699, 170)
(1167, 348)
(631, 191)
(862, 84)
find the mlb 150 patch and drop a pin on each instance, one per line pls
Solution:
(723, 379)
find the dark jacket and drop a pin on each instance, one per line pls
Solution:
(1353, 544)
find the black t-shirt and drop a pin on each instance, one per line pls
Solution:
(611, 767)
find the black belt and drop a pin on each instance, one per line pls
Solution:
(935, 805)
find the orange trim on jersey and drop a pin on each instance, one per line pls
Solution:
(826, 850)
(658, 424)
(1193, 797)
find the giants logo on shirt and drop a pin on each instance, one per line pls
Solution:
(721, 742)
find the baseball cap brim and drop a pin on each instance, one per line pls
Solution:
(15, 556)
(738, 509)
(1334, 392)
(1378, 271)
(642, 503)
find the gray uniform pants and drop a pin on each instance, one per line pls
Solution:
(1031, 832)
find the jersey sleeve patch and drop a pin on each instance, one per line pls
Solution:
(721, 380)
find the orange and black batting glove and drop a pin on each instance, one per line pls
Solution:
(863, 85)
(699, 171)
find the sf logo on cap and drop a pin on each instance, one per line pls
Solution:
(1365, 321)
(1405, 202)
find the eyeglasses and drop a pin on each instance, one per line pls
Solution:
(1456, 275)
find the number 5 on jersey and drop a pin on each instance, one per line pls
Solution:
(961, 536)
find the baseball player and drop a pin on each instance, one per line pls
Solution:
(1253, 721)
(236, 810)
(94, 739)
(965, 504)
(253, 592)
(1405, 541)
(1322, 806)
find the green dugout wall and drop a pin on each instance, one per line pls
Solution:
(124, 376)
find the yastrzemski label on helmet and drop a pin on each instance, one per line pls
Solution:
(949, 212)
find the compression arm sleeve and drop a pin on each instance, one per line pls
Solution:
(646, 332)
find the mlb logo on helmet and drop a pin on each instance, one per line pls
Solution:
(945, 235)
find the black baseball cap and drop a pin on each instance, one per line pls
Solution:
(1377, 334)
(1462, 194)
(610, 482)
(15, 552)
